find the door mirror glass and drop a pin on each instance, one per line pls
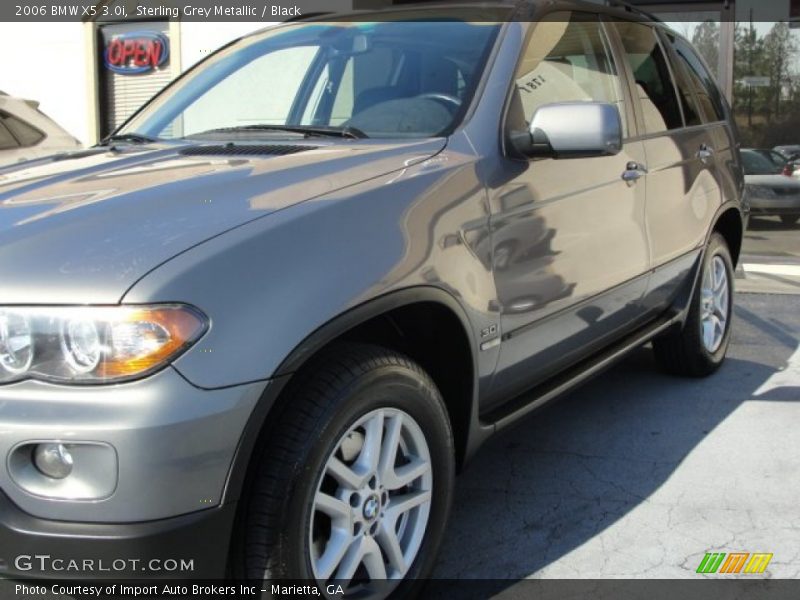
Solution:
(571, 130)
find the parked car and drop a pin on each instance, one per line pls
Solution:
(791, 154)
(771, 189)
(280, 307)
(788, 167)
(27, 133)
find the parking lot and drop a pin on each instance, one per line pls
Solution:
(639, 474)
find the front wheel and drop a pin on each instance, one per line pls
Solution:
(699, 348)
(354, 486)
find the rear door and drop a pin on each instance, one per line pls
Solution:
(682, 188)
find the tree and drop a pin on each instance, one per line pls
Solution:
(779, 49)
(706, 39)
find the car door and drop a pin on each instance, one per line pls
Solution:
(570, 249)
(683, 193)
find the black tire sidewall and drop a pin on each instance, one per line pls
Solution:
(384, 387)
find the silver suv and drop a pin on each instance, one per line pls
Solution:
(289, 299)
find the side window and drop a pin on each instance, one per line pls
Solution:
(7, 141)
(704, 85)
(688, 92)
(567, 59)
(654, 86)
(25, 134)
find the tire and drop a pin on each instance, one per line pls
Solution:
(331, 417)
(691, 350)
(790, 219)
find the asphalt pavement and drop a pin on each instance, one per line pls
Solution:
(639, 474)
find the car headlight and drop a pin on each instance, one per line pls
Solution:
(94, 344)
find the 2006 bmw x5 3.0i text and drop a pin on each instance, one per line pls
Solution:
(289, 298)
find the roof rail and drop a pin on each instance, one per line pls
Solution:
(634, 9)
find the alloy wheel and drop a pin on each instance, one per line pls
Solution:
(371, 508)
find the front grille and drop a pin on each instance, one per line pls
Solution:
(245, 150)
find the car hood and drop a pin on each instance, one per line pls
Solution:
(84, 228)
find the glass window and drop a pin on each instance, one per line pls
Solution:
(657, 94)
(701, 80)
(567, 59)
(390, 78)
(7, 141)
(249, 95)
(756, 163)
(689, 92)
(25, 134)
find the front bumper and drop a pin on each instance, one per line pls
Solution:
(168, 447)
(193, 546)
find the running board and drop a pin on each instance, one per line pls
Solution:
(529, 401)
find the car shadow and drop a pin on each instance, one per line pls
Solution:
(544, 488)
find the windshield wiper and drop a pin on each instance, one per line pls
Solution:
(344, 132)
(133, 138)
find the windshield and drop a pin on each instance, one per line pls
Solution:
(757, 164)
(380, 79)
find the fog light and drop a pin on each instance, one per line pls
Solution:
(53, 460)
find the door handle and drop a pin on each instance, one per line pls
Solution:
(633, 172)
(705, 153)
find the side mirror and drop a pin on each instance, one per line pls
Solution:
(571, 130)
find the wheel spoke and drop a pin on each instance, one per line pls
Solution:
(352, 558)
(371, 452)
(333, 507)
(387, 538)
(335, 549)
(345, 475)
(389, 449)
(403, 503)
(719, 329)
(708, 333)
(373, 560)
(407, 474)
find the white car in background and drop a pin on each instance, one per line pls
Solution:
(27, 133)
(771, 189)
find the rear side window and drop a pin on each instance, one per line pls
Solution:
(567, 59)
(7, 141)
(654, 87)
(26, 134)
(705, 88)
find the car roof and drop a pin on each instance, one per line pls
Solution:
(617, 8)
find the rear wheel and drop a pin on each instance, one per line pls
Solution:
(790, 219)
(699, 348)
(354, 485)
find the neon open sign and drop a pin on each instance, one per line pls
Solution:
(136, 52)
